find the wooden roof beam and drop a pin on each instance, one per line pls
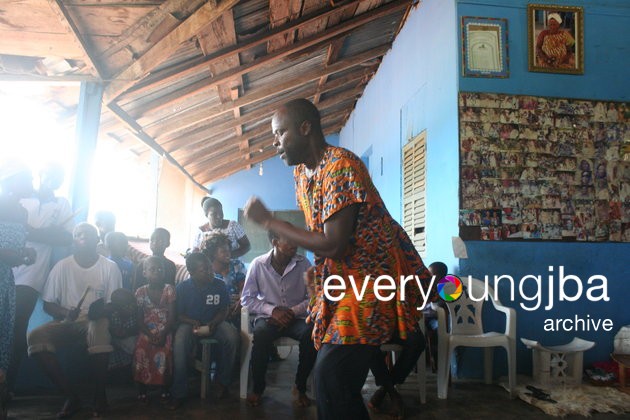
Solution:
(136, 130)
(203, 133)
(166, 46)
(184, 69)
(60, 10)
(178, 122)
(333, 55)
(351, 95)
(214, 150)
(332, 32)
(223, 171)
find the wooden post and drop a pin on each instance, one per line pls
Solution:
(88, 119)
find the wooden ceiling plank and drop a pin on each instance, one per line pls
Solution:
(246, 164)
(211, 151)
(192, 139)
(142, 29)
(245, 161)
(178, 122)
(136, 130)
(207, 83)
(181, 70)
(281, 12)
(37, 44)
(222, 33)
(113, 3)
(165, 47)
(333, 54)
(62, 12)
(314, 27)
(335, 101)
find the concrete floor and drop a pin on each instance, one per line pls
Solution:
(467, 400)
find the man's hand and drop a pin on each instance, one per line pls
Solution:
(97, 309)
(29, 255)
(281, 316)
(256, 211)
(235, 309)
(72, 314)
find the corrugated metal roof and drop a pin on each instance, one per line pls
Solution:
(200, 80)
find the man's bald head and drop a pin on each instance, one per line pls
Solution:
(300, 110)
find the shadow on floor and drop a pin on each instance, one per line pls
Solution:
(468, 400)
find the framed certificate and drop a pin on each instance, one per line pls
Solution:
(484, 47)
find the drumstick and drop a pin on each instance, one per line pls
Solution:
(87, 289)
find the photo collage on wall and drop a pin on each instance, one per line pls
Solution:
(543, 168)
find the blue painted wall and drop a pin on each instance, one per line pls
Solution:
(275, 187)
(606, 52)
(415, 89)
(607, 30)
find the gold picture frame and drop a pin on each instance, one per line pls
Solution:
(555, 38)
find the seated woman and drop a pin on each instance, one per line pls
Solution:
(554, 45)
(213, 210)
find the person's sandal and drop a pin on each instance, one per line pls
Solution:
(165, 397)
(143, 398)
(70, 407)
(377, 399)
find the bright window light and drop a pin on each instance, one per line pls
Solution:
(29, 131)
(125, 187)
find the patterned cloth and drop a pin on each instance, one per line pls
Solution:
(233, 231)
(12, 236)
(556, 46)
(234, 279)
(379, 246)
(153, 365)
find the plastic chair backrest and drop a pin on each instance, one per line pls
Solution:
(466, 313)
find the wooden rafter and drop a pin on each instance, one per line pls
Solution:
(245, 162)
(180, 121)
(187, 68)
(210, 82)
(60, 9)
(331, 57)
(344, 96)
(192, 139)
(263, 134)
(166, 46)
(136, 130)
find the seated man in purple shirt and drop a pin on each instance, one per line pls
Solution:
(275, 292)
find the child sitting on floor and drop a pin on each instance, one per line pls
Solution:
(122, 313)
(153, 357)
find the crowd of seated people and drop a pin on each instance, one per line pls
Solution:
(147, 313)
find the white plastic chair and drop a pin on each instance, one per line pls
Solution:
(421, 364)
(247, 349)
(466, 329)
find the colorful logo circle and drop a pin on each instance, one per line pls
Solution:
(450, 288)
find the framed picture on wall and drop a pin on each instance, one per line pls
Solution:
(484, 47)
(555, 39)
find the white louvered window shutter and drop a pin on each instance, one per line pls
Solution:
(414, 188)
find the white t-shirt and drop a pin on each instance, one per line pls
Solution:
(67, 282)
(52, 213)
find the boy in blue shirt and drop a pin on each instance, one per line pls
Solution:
(202, 306)
(117, 244)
